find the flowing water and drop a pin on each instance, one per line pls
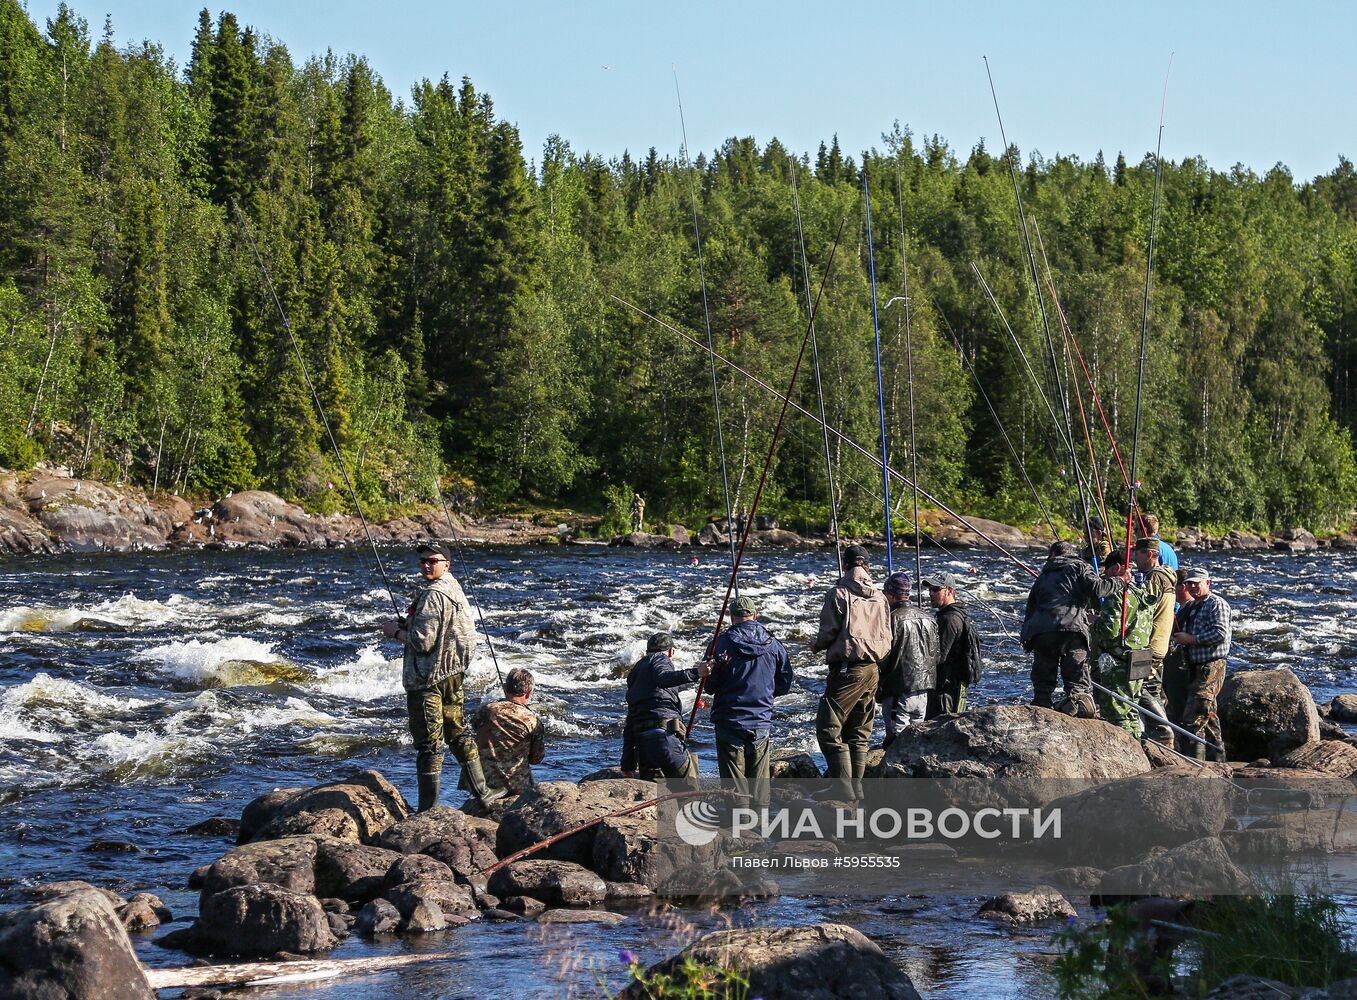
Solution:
(142, 694)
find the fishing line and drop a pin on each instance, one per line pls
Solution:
(315, 398)
(959, 518)
(880, 391)
(706, 317)
(909, 363)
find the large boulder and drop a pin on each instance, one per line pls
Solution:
(963, 536)
(1329, 756)
(1014, 743)
(289, 864)
(355, 873)
(819, 962)
(256, 516)
(366, 798)
(447, 897)
(261, 920)
(552, 807)
(69, 947)
(1041, 904)
(1286, 834)
(556, 883)
(1197, 868)
(1266, 713)
(1343, 708)
(1116, 822)
(466, 844)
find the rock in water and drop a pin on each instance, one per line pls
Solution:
(1329, 756)
(819, 962)
(1199, 867)
(289, 863)
(1343, 708)
(261, 920)
(70, 947)
(556, 883)
(359, 807)
(1266, 713)
(1013, 742)
(552, 807)
(1042, 903)
(352, 872)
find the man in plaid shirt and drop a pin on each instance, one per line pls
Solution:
(1203, 639)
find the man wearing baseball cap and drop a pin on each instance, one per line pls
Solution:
(855, 636)
(1203, 636)
(439, 637)
(749, 669)
(910, 671)
(959, 660)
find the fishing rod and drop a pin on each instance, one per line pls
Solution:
(815, 366)
(1041, 305)
(959, 518)
(909, 364)
(1134, 485)
(466, 577)
(763, 476)
(315, 398)
(706, 317)
(1003, 432)
(880, 391)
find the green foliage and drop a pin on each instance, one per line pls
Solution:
(616, 518)
(18, 451)
(455, 309)
(692, 980)
(1107, 960)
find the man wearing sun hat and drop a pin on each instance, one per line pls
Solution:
(749, 669)
(1203, 636)
(439, 638)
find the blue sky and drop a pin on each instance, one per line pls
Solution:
(1252, 83)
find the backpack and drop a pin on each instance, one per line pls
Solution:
(973, 659)
(1139, 621)
(866, 636)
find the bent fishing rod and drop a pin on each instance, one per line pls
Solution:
(315, 398)
(959, 518)
(466, 578)
(815, 367)
(763, 478)
(706, 319)
(1041, 304)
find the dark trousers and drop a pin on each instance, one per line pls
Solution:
(745, 758)
(847, 710)
(662, 755)
(1062, 655)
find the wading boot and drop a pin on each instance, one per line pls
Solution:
(475, 777)
(428, 791)
(859, 758)
(839, 768)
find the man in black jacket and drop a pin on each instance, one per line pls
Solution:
(910, 671)
(652, 741)
(1055, 628)
(958, 647)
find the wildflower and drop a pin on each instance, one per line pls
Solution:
(626, 957)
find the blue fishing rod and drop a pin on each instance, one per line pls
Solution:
(880, 387)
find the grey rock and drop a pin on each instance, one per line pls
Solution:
(1266, 713)
(581, 917)
(71, 946)
(1042, 903)
(1343, 708)
(376, 918)
(552, 807)
(556, 883)
(350, 871)
(1329, 756)
(1198, 868)
(416, 867)
(370, 801)
(289, 864)
(447, 896)
(525, 905)
(819, 962)
(425, 917)
(261, 920)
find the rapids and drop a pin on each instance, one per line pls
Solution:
(141, 694)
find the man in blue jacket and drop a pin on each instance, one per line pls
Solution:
(652, 740)
(749, 669)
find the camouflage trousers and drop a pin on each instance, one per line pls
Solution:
(1199, 684)
(847, 711)
(438, 716)
(1113, 673)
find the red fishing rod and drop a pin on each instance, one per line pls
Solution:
(763, 477)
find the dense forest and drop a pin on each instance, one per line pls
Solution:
(458, 306)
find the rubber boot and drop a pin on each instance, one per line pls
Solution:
(428, 791)
(1197, 751)
(839, 768)
(475, 777)
(859, 758)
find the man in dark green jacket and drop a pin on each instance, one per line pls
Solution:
(958, 647)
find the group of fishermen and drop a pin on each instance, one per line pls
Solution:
(1142, 645)
(1151, 642)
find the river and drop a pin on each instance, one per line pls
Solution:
(141, 694)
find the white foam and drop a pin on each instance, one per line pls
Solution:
(371, 677)
(228, 662)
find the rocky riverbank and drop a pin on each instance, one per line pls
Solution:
(48, 511)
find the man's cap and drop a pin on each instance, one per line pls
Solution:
(743, 605)
(660, 642)
(950, 580)
(1096, 523)
(1147, 544)
(1115, 558)
(854, 554)
(435, 549)
(1197, 575)
(897, 584)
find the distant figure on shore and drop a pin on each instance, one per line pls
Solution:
(510, 735)
(439, 637)
(652, 739)
(958, 647)
(909, 673)
(638, 512)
